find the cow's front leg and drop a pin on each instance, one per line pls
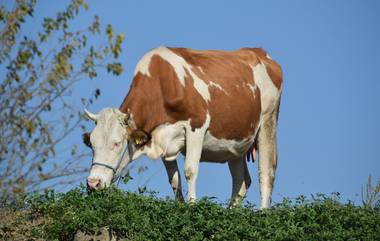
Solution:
(194, 144)
(174, 178)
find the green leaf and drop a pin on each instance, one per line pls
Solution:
(115, 68)
(127, 178)
(109, 32)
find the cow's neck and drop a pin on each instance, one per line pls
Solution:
(145, 104)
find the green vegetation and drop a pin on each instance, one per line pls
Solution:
(136, 216)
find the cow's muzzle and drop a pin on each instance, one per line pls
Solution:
(94, 183)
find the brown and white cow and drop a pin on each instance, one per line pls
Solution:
(214, 106)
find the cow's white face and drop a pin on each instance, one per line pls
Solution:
(109, 142)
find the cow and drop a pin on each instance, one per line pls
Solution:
(210, 105)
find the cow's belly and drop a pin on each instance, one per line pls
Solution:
(222, 150)
(168, 141)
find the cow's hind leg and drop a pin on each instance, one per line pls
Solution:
(267, 146)
(241, 180)
(174, 178)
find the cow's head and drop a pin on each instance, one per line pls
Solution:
(113, 143)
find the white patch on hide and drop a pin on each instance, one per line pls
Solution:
(222, 150)
(167, 141)
(252, 88)
(213, 84)
(269, 92)
(179, 64)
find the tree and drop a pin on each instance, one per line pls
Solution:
(39, 73)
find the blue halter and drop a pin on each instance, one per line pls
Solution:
(117, 164)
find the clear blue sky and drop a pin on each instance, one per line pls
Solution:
(329, 130)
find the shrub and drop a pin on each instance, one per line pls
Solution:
(133, 216)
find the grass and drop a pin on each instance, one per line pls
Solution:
(135, 216)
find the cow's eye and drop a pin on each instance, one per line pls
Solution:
(117, 144)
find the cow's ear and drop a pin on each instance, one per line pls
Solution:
(140, 137)
(86, 139)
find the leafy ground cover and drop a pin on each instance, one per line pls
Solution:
(136, 216)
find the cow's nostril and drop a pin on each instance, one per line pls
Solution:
(93, 183)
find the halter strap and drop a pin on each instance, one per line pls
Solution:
(117, 164)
